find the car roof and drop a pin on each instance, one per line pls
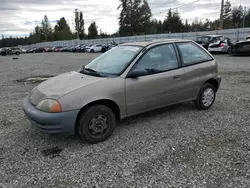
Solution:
(152, 42)
(212, 36)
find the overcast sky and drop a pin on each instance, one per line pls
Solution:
(19, 17)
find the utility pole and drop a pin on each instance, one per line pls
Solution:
(244, 18)
(77, 22)
(73, 24)
(221, 14)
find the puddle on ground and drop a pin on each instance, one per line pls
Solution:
(36, 79)
(51, 152)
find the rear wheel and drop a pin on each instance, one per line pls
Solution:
(206, 97)
(229, 50)
(92, 51)
(17, 53)
(102, 50)
(96, 124)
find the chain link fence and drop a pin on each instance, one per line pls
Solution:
(234, 34)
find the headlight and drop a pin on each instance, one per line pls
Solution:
(49, 105)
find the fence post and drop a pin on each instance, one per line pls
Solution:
(237, 34)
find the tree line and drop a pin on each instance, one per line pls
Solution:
(135, 19)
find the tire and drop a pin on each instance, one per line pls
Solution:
(103, 50)
(229, 50)
(92, 51)
(17, 53)
(90, 120)
(200, 102)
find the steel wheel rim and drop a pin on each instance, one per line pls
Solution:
(208, 97)
(98, 125)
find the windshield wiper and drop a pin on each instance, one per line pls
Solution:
(90, 70)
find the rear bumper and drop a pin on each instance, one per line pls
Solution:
(218, 49)
(63, 122)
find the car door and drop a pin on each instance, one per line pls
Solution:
(98, 48)
(162, 84)
(198, 66)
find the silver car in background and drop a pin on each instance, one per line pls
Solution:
(222, 45)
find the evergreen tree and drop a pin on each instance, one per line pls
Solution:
(186, 26)
(125, 27)
(227, 15)
(247, 19)
(207, 25)
(62, 30)
(237, 16)
(45, 30)
(92, 31)
(173, 23)
(81, 27)
(135, 17)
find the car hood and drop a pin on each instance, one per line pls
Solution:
(61, 85)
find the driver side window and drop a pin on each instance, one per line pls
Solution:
(158, 59)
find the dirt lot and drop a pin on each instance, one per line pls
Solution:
(177, 146)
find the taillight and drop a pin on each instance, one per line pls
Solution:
(222, 45)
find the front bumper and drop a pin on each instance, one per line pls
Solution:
(63, 122)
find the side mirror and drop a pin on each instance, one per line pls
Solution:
(137, 73)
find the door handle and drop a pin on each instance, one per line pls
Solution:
(177, 77)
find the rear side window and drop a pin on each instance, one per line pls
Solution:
(192, 54)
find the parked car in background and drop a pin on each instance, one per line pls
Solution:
(73, 48)
(80, 48)
(242, 47)
(221, 46)
(83, 48)
(49, 49)
(129, 79)
(64, 49)
(11, 51)
(58, 49)
(35, 50)
(208, 39)
(94, 48)
(87, 47)
(23, 51)
(106, 47)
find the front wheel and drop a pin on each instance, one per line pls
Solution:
(206, 97)
(96, 124)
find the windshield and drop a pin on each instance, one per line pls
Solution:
(205, 39)
(114, 61)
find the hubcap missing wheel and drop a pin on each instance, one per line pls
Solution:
(98, 125)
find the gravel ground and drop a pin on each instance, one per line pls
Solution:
(177, 146)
